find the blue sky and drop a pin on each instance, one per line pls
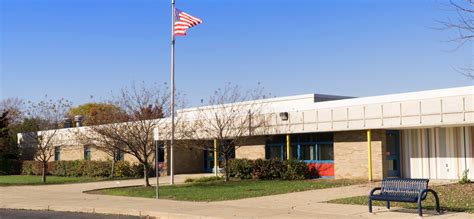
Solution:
(77, 48)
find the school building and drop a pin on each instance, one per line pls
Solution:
(425, 134)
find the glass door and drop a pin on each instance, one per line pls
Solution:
(392, 157)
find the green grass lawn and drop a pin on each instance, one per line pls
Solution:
(219, 190)
(12, 180)
(453, 197)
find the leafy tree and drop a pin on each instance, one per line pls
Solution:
(9, 153)
(94, 113)
(4, 133)
(11, 112)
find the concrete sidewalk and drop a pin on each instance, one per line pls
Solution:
(307, 204)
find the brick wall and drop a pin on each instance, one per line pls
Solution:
(188, 158)
(76, 152)
(351, 154)
(253, 148)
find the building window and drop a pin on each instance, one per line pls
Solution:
(307, 152)
(275, 152)
(325, 152)
(87, 152)
(57, 153)
(119, 155)
(161, 152)
(313, 147)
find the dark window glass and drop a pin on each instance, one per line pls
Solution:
(274, 152)
(161, 154)
(119, 155)
(57, 153)
(294, 152)
(325, 152)
(393, 143)
(307, 152)
(226, 145)
(87, 153)
(276, 146)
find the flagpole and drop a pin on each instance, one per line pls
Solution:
(172, 94)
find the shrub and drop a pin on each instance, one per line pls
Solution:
(465, 178)
(137, 170)
(59, 168)
(9, 166)
(203, 179)
(31, 168)
(123, 169)
(268, 169)
(241, 168)
(295, 170)
(96, 168)
(76, 168)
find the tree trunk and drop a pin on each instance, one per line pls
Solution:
(145, 174)
(226, 169)
(112, 171)
(43, 173)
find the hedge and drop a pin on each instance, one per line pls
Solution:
(241, 168)
(9, 166)
(83, 168)
(268, 169)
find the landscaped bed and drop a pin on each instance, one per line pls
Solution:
(220, 191)
(13, 180)
(453, 197)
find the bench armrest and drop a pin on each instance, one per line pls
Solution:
(425, 192)
(373, 190)
(423, 195)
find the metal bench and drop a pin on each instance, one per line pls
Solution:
(403, 190)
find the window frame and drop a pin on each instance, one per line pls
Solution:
(87, 151)
(57, 153)
(119, 155)
(298, 145)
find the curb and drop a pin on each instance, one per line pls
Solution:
(107, 211)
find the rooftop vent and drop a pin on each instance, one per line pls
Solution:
(78, 119)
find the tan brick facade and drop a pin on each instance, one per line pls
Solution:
(188, 160)
(76, 152)
(351, 154)
(252, 149)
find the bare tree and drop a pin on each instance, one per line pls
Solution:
(47, 115)
(131, 131)
(87, 136)
(98, 114)
(15, 108)
(232, 115)
(463, 24)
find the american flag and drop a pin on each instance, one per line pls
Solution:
(183, 21)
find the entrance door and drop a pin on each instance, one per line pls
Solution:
(208, 161)
(392, 157)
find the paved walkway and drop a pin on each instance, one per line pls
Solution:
(306, 204)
